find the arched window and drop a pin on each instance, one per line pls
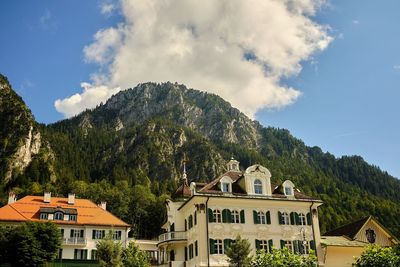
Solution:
(285, 218)
(235, 216)
(217, 216)
(258, 187)
(58, 216)
(302, 219)
(261, 217)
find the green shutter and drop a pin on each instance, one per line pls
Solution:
(268, 216)
(255, 217)
(195, 218)
(196, 249)
(312, 245)
(295, 246)
(82, 234)
(103, 234)
(292, 218)
(282, 244)
(85, 254)
(186, 253)
(212, 246)
(297, 218)
(280, 218)
(75, 253)
(229, 214)
(309, 220)
(224, 216)
(185, 225)
(257, 244)
(227, 244)
(242, 217)
(270, 245)
(210, 215)
(93, 234)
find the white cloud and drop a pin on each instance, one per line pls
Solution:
(356, 22)
(89, 98)
(239, 50)
(396, 67)
(107, 8)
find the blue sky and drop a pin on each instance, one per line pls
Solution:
(348, 90)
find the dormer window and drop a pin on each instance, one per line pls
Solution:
(44, 216)
(258, 187)
(58, 216)
(288, 191)
(225, 187)
(288, 188)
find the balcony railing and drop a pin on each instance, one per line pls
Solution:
(74, 241)
(170, 236)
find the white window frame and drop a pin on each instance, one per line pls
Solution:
(258, 187)
(225, 187)
(261, 217)
(72, 217)
(265, 246)
(302, 219)
(98, 234)
(235, 216)
(219, 246)
(115, 235)
(285, 218)
(288, 191)
(289, 245)
(217, 216)
(59, 216)
(44, 216)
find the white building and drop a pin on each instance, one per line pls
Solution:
(203, 219)
(82, 223)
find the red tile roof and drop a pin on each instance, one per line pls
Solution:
(27, 209)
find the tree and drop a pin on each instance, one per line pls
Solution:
(283, 258)
(132, 256)
(31, 244)
(376, 255)
(238, 253)
(109, 252)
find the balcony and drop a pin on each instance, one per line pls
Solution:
(172, 236)
(79, 241)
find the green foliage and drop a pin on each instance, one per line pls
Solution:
(283, 258)
(238, 253)
(134, 257)
(376, 255)
(109, 252)
(29, 244)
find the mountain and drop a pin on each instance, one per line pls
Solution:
(133, 145)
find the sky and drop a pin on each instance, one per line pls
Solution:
(328, 71)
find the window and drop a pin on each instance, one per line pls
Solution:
(59, 254)
(58, 216)
(93, 256)
(80, 254)
(288, 244)
(72, 218)
(190, 251)
(62, 233)
(302, 219)
(77, 233)
(235, 217)
(264, 245)
(261, 217)
(116, 235)
(288, 191)
(196, 248)
(44, 216)
(258, 187)
(285, 218)
(190, 221)
(225, 187)
(98, 234)
(217, 216)
(218, 246)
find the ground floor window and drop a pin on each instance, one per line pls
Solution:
(216, 246)
(80, 254)
(265, 245)
(59, 254)
(93, 256)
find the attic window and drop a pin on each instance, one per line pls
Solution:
(225, 187)
(58, 216)
(258, 187)
(288, 191)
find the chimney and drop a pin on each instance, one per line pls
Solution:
(103, 205)
(12, 197)
(47, 197)
(71, 199)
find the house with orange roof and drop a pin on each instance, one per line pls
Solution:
(82, 223)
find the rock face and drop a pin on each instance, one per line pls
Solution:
(20, 138)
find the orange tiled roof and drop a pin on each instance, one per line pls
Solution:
(27, 209)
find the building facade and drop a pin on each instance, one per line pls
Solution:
(81, 222)
(204, 219)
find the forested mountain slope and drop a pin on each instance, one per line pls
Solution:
(129, 151)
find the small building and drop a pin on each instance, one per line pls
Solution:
(204, 218)
(343, 245)
(82, 223)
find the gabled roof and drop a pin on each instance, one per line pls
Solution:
(88, 213)
(350, 230)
